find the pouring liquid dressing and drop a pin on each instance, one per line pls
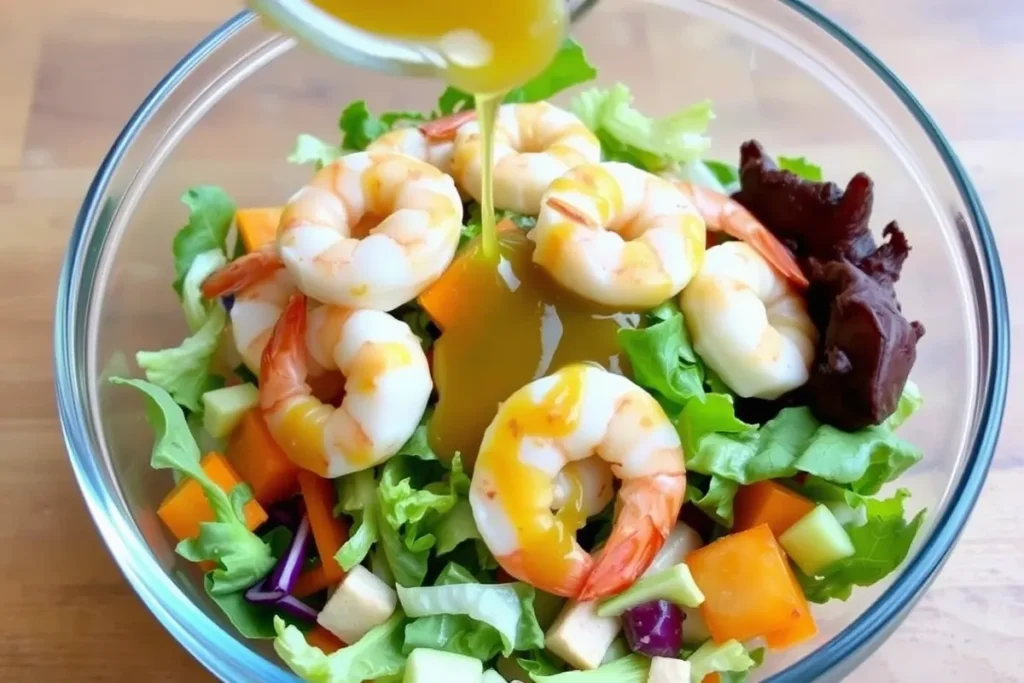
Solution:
(513, 323)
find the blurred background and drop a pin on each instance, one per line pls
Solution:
(72, 72)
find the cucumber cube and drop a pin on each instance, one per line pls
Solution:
(225, 408)
(817, 541)
(435, 666)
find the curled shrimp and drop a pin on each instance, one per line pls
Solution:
(618, 235)
(533, 144)
(748, 323)
(725, 214)
(577, 413)
(371, 230)
(387, 386)
(261, 287)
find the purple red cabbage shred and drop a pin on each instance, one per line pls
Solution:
(866, 346)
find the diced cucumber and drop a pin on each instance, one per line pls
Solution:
(816, 541)
(674, 584)
(435, 666)
(225, 408)
(618, 650)
(492, 676)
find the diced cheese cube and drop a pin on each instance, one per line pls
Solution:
(492, 676)
(361, 602)
(667, 670)
(435, 666)
(681, 541)
(580, 637)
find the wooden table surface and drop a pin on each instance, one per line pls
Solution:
(67, 613)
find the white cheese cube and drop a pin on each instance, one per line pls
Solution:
(681, 541)
(434, 666)
(580, 637)
(361, 602)
(666, 670)
(492, 676)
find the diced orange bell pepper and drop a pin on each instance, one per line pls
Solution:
(748, 585)
(185, 507)
(320, 637)
(258, 227)
(261, 462)
(803, 629)
(329, 532)
(771, 503)
(451, 296)
(712, 677)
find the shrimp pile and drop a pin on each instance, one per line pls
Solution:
(748, 323)
(568, 418)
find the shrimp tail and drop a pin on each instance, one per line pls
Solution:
(776, 253)
(284, 366)
(241, 273)
(649, 508)
(445, 127)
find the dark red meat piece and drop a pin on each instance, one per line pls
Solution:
(867, 347)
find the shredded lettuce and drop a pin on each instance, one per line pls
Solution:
(568, 68)
(630, 136)
(310, 149)
(802, 167)
(211, 212)
(455, 527)
(631, 669)
(376, 655)
(730, 661)
(881, 545)
(242, 558)
(357, 497)
(460, 615)
(714, 495)
(474, 221)
(184, 371)
(910, 402)
(663, 360)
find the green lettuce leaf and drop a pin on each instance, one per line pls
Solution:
(455, 527)
(375, 655)
(359, 127)
(197, 308)
(357, 497)
(714, 495)
(802, 167)
(310, 149)
(458, 608)
(631, 669)
(730, 656)
(663, 360)
(184, 371)
(568, 68)
(910, 402)
(242, 558)
(630, 136)
(726, 175)
(474, 221)
(211, 212)
(881, 545)
(251, 620)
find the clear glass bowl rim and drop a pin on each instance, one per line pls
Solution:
(228, 659)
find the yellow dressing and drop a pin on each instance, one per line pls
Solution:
(372, 362)
(525, 491)
(487, 109)
(299, 430)
(512, 324)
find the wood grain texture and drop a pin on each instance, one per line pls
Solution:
(71, 72)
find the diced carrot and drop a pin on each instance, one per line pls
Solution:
(258, 226)
(329, 532)
(261, 462)
(450, 298)
(320, 637)
(802, 630)
(749, 588)
(311, 581)
(768, 502)
(185, 507)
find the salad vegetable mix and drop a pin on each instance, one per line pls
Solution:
(450, 485)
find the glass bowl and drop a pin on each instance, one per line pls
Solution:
(780, 72)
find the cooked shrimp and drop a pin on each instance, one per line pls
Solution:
(415, 143)
(748, 323)
(261, 287)
(579, 412)
(533, 144)
(332, 244)
(724, 214)
(387, 385)
(618, 235)
(588, 484)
